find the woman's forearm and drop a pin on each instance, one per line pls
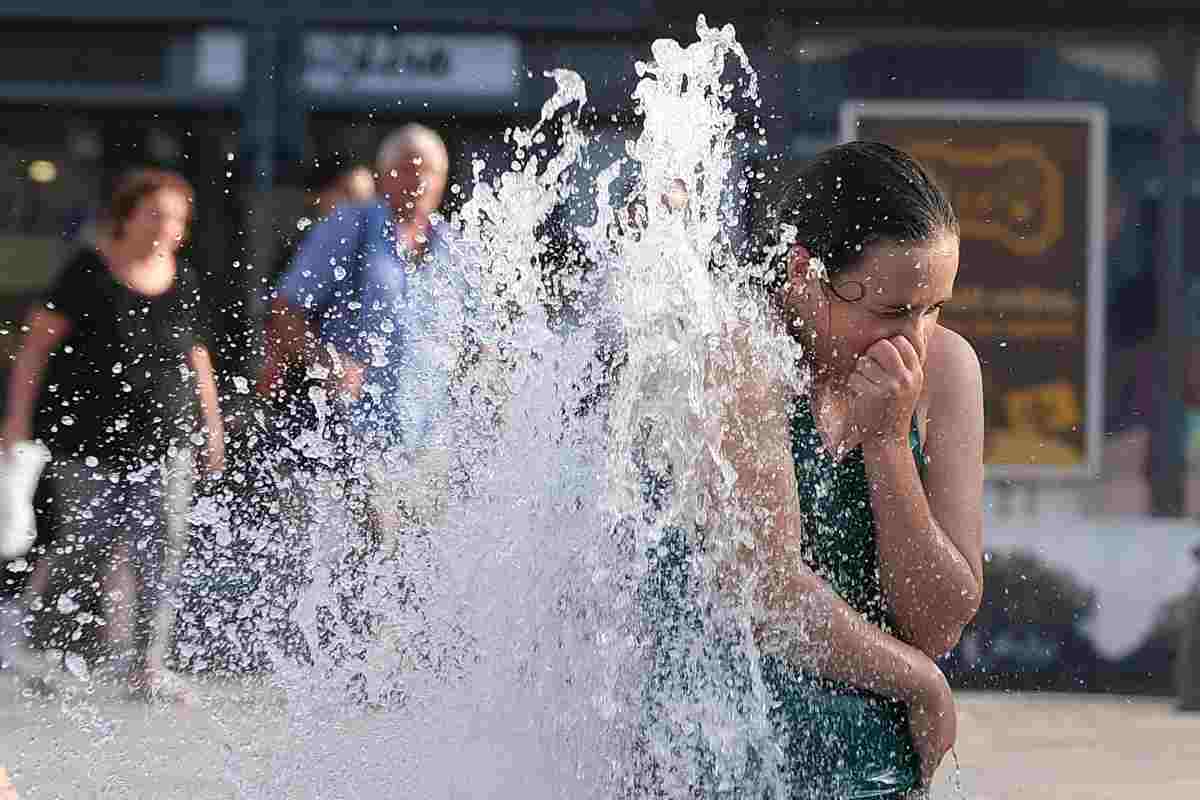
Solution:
(803, 620)
(929, 586)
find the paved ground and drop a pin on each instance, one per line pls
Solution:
(99, 745)
(1070, 747)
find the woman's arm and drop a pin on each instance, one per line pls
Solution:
(802, 615)
(799, 616)
(206, 388)
(930, 533)
(47, 329)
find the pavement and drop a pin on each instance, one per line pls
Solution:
(1074, 747)
(95, 743)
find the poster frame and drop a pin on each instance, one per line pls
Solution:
(1094, 115)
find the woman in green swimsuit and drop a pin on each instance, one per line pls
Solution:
(871, 548)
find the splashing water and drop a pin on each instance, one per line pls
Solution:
(539, 622)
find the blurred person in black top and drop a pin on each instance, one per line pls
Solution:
(113, 378)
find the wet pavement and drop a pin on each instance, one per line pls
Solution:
(100, 744)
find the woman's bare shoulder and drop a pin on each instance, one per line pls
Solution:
(953, 376)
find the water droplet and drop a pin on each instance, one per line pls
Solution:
(68, 420)
(77, 666)
(92, 461)
(241, 385)
(303, 224)
(117, 368)
(339, 272)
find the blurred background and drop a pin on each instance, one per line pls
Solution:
(1067, 132)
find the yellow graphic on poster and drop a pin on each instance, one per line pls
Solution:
(1038, 427)
(1018, 204)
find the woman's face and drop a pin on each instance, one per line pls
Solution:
(896, 289)
(158, 223)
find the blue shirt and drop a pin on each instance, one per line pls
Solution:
(370, 300)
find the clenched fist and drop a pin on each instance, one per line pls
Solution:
(885, 385)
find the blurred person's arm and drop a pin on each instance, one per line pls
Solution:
(206, 387)
(289, 339)
(310, 282)
(47, 329)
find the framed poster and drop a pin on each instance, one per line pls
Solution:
(1029, 182)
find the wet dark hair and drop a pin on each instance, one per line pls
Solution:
(847, 198)
(136, 185)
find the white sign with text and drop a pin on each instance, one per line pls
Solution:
(387, 63)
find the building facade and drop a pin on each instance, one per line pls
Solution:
(243, 101)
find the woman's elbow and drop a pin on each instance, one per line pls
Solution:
(937, 641)
(936, 644)
(972, 598)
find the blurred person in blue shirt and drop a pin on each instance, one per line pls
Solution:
(373, 300)
(330, 183)
(373, 307)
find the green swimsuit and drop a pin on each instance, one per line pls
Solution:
(837, 742)
(840, 742)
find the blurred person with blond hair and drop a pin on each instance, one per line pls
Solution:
(114, 379)
(318, 315)
(373, 309)
(374, 300)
